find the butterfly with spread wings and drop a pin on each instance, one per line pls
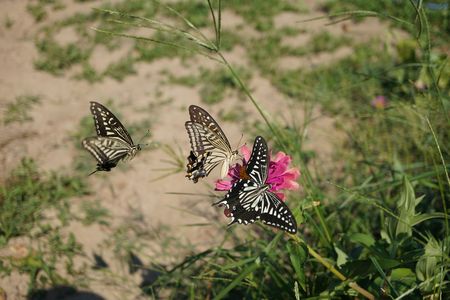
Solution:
(210, 146)
(249, 199)
(112, 143)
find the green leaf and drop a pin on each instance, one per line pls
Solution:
(364, 239)
(427, 266)
(403, 279)
(406, 207)
(296, 291)
(424, 217)
(388, 263)
(342, 257)
(401, 273)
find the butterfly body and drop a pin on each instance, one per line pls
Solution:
(250, 198)
(113, 143)
(210, 146)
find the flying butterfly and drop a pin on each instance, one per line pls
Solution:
(249, 199)
(112, 143)
(210, 146)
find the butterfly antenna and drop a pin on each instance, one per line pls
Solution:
(146, 134)
(239, 144)
(93, 172)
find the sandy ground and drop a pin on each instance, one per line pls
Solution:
(64, 101)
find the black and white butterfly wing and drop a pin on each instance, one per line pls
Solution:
(216, 138)
(107, 151)
(208, 143)
(275, 212)
(258, 164)
(196, 166)
(107, 124)
(233, 201)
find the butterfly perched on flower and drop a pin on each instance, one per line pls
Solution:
(249, 198)
(210, 146)
(112, 143)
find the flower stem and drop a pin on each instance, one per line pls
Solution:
(333, 270)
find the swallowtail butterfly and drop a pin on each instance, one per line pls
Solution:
(112, 143)
(210, 146)
(249, 199)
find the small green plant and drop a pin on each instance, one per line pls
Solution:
(8, 22)
(19, 110)
(27, 193)
(56, 58)
(89, 74)
(119, 70)
(151, 52)
(38, 9)
(94, 212)
(217, 82)
(260, 14)
(214, 84)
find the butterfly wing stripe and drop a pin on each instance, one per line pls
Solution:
(203, 140)
(278, 214)
(197, 136)
(107, 124)
(106, 149)
(215, 158)
(201, 116)
(235, 202)
(89, 144)
(259, 161)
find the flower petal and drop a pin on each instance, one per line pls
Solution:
(246, 153)
(223, 185)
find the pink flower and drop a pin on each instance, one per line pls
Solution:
(380, 102)
(279, 177)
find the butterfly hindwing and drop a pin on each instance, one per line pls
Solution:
(107, 124)
(278, 214)
(106, 149)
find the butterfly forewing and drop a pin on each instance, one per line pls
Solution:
(200, 116)
(259, 161)
(107, 124)
(200, 137)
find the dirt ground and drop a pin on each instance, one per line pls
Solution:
(65, 101)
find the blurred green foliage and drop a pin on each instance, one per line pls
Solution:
(19, 110)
